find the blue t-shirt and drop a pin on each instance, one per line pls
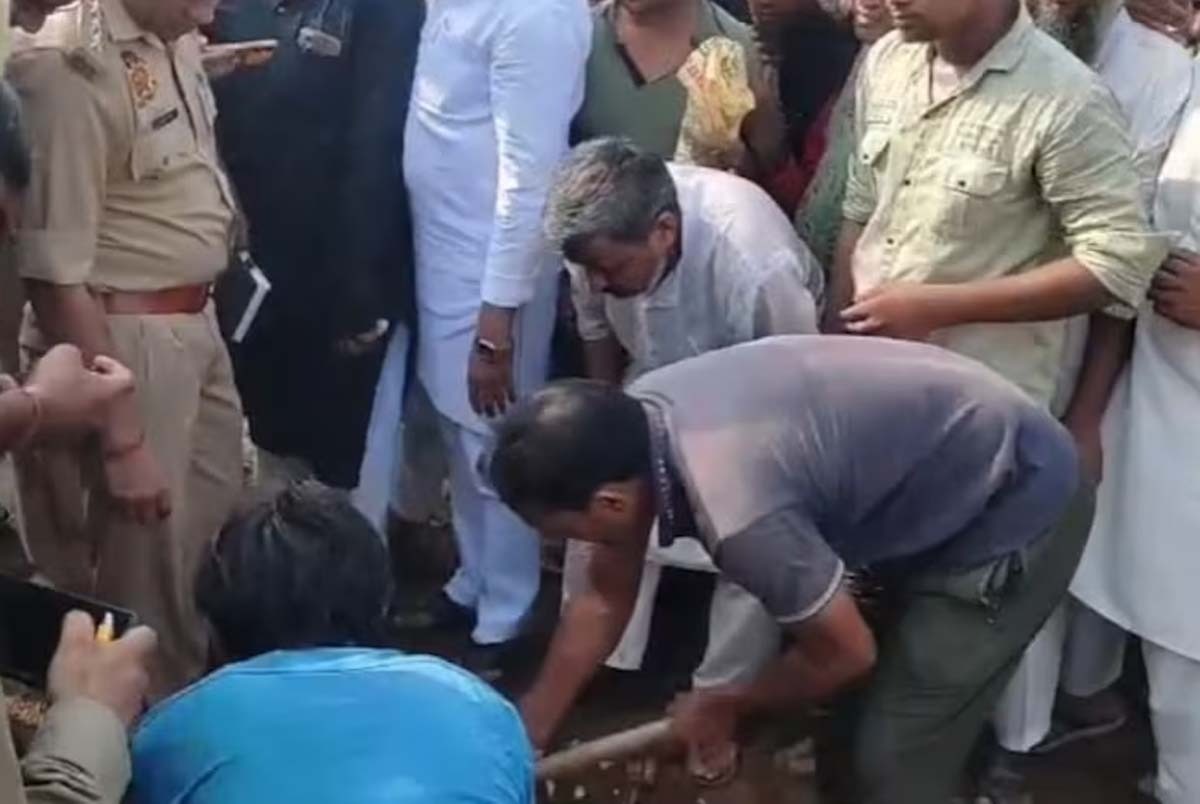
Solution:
(334, 725)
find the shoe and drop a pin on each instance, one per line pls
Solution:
(1077, 719)
(1002, 780)
(439, 613)
(489, 662)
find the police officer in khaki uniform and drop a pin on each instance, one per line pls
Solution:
(126, 226)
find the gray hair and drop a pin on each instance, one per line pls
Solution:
(607, 187)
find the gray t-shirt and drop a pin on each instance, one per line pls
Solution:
(793, 457)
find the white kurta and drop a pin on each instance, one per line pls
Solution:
(1141, 566)
(1149, 74)
(743, 273)
(497, 85)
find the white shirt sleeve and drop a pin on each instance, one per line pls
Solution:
(536, 86)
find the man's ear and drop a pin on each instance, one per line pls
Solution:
(609, 500)
(665, 232)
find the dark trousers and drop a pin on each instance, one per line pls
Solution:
(943, 664)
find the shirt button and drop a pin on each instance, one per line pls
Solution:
(908, 182)
(891, 241)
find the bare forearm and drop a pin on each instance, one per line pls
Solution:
(1109, 344)
(794, 679)
(71, 314)
(17, 415)
(603, 360)
(1054, 291)
(588, 632)
(841, 279)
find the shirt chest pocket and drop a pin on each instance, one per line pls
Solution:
(162, 140)
(970, 190)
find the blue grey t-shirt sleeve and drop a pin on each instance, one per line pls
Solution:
(782, 560)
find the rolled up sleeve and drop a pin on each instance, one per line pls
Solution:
(1087, 174)
(536, 86)
(79, 755)
(859, 203)
(56, 240)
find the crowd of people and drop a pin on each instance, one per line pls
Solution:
(830, 290)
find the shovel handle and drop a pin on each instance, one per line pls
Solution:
(610, 748)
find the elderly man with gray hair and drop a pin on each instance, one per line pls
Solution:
(668, 262)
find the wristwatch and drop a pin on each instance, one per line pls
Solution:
(491, 351)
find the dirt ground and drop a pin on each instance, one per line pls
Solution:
(772, 770)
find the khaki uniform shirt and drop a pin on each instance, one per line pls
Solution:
(79, 756)
(1025, 161)
(126, 192)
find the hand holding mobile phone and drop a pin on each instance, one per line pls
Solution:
(227, 57)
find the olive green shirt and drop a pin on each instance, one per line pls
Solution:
(1025, 161)
(619, 103)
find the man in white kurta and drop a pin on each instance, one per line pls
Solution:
(1149, 74)
(734, 271)
(497, 84)
(1142, 563)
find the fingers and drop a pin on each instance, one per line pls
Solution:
(139, 642)
(116, 377)
(78, 630)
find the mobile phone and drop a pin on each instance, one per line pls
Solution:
(31, 619)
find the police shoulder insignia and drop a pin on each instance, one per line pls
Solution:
(141, 81)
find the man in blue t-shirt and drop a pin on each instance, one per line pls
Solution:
(296, 591)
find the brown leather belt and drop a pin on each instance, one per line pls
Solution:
(186, 300)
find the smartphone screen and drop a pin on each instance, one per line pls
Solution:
(30, 622)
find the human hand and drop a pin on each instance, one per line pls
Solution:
(1170, 17)
(903, 310)
(113, 674)
(706, 721)
(871, 20)
(223, 59)
(137, 485)
(490, 385)
(363, 343)
(1176, 289)
(74, 399)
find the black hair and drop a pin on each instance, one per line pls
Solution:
(15, 167)
(556, 448)
(301, 570)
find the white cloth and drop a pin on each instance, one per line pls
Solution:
(1151, 77)
(497, 84)
(1142, 561)
(742, 274)
(499, 555)
(1174, 689)
(383, 454)
(404, 464)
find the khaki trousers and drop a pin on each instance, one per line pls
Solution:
(193, 422)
